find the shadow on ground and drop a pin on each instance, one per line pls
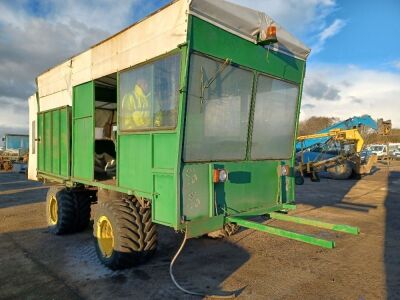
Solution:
(69, 267)
(392, 236)
(16, 190)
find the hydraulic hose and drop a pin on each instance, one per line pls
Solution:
(185, 290)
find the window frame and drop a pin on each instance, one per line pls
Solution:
(298, 85)
(249, 125)
(179, 54)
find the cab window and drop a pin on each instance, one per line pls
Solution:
(149, 96)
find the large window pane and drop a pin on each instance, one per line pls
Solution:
(149, 95)
(274, 119)
(218, 111)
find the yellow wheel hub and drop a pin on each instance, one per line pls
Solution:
(53, 211)
(105, 236)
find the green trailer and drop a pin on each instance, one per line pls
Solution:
(185, 119)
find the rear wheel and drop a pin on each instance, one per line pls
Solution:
(67, 211)
(125, 234)
(61, 210)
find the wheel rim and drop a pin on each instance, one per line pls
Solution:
(53, 211)
(105, 236)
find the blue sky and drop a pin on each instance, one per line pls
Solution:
(370, 37)
(354, 67)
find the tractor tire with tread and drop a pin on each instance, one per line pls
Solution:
(133, 234)
(67, 211)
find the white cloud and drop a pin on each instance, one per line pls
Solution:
(327, 33)
(31, 43)
(360, 91)
(396, 64)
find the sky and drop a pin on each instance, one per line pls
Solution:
(353, 69)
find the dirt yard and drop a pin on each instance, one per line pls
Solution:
(37, 265)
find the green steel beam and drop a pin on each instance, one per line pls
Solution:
(320, 224)
(289, 206)
(284, 233)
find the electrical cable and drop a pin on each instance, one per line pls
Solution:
(182, 288)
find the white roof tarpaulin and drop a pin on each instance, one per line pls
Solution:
(153, 36)
(246, 23)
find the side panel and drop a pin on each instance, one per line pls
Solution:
(48, 143)
(135, 162)
(33, 133)
(40, 144)
(83, 132)
(149, 161)
(147, 166)
(243, 52)
(251, 186)
(53, 146)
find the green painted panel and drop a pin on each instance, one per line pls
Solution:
(83, 100)
(251, 185)
(135, 162)
(83, 149)
(164, 205)
(40, 142)
(83, 131)
(165, 147)
(65, 131)
(195, 191)
(208, 38)
(54, 141)
(55, 132)
(47, 142)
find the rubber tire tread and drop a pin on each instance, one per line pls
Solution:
(67, 210)
(135, 235)
(84, 202)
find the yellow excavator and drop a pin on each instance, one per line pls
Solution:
(339, 164)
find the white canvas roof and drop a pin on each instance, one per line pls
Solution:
(246, 23)
(153, 36)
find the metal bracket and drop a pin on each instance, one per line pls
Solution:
(320, 224)
(284, 233)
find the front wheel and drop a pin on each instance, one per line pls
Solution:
(125, 234)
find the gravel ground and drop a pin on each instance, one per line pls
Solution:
(37, 265)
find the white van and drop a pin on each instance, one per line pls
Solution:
(379, 150)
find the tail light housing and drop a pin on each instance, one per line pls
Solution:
(220, 175)
(285, 170)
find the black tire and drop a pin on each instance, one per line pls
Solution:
(340, 171)
(134, 233)
(298, 179)
(64, 220)
(73, 210)
(84, 200)
(228, 230)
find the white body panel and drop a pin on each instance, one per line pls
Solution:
(156, 35)
(32, 163)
